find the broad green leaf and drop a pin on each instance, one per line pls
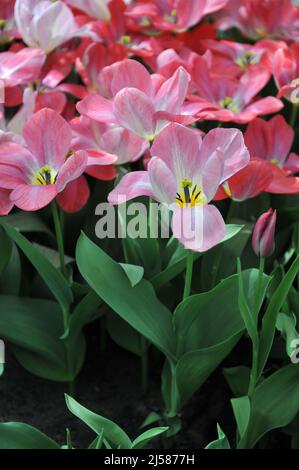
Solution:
(151, 418)
(194, 367)
(5, 249)
(85, 312)
(145, 438)
(274, 404)
(269, 320)
(220, 443)
(51, 276)
(23, 436)
(241, 408)
(238, 379)
(137, 305)
(1, 368)
(134, 273)
(192, 317)
(112, 432)
(52, 255)
(33, 328)
(27, 222)
(123, 334)
(286, 324)
(10, 279)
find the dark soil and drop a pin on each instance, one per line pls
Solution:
(109, 384)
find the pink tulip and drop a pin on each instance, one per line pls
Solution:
(98, 9)
(140, 102)
(46, 24)
(174, 15)
(6, 204)
(8, 29)
(233, 59)
(286, 72)
(263, 238)
(21, 68)
(272, 141)
(43, 167)
(93, 136)
(230, 99)
(184, 173)
(258, 19)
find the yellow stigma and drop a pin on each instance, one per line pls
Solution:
(46, 175)
(228, 103)
(249, 58)
(172, 17)
(125, 40)
(261, 32)
(2, 23)
(190, 195)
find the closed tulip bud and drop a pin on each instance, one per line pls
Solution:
(263, 238)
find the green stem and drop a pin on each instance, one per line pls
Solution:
(294, 114)
(189, 271)
(59, 236)
(255, 345)
(60, 245)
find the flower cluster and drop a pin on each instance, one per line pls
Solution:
(92, 86)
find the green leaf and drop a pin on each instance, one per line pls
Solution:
(10, 279)
(51, 276)
(33, 328)
(145, 438)
(97, 443)
(134, 273)
(220, 443)
(194, 367)
(286, 324)
(238, 379)
(208, 326)
(241, 408)
(123, 334)
(85, 312)
(112, 432)
(23, 436)
(192, 317)
(137, 305)
(269, 320)
(274, 404)
(27, 222)
(5, 250)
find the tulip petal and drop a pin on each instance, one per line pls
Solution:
(74, 196)
(198, 228)
(32, 198)
(132, 185)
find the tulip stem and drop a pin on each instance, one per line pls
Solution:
(255, 344)
(189, 271)
(59, 236)
(294, 114)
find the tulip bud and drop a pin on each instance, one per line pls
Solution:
(263, 241)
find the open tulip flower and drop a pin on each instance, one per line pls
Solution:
(41, 170)
(46, 24)
(286, 72)
(138, 101)
(185, 173)
(272, 141)
(258, 19)
(230, 99)
(174, 15)
(106, 141)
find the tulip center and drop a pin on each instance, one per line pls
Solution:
(46, 175)
(189, 194)
(172, 18)
(125, 40)
(228, 103)
(247, 59)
